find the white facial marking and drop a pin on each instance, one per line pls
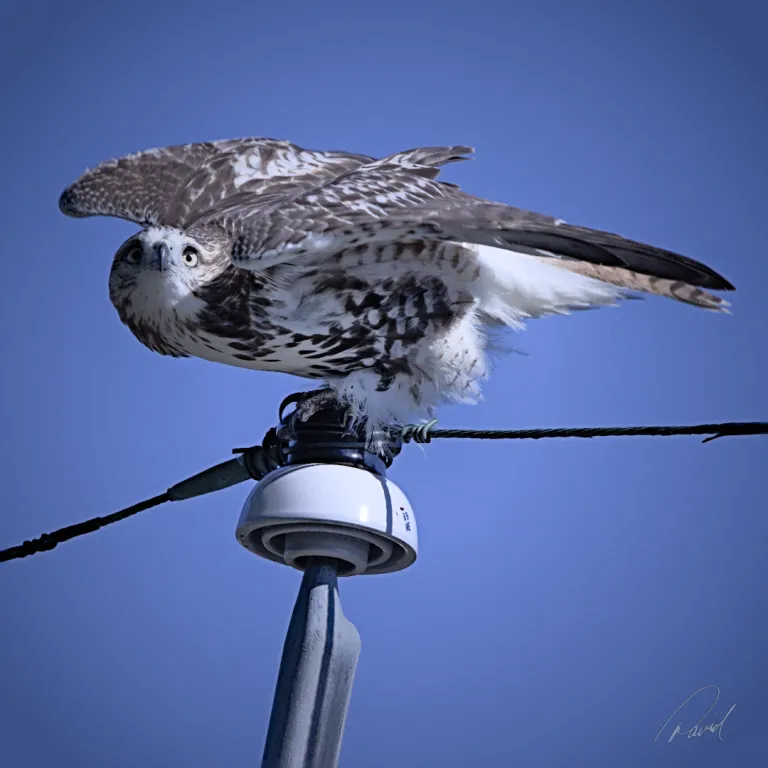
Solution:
(156, 277)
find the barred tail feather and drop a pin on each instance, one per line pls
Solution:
(634, 281)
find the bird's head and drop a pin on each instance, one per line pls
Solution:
(160, 272)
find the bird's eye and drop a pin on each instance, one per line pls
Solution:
(189, 257)
(133, 255)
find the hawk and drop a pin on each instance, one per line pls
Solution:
(369, 275)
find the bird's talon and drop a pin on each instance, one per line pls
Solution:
(314, 402)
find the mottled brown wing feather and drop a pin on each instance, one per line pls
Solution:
(175, 185)
(422, 161)
(136, 187)
(243, 211)
(378, 201)
(273, 170)
(184, 185)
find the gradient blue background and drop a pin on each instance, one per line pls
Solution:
(568, 595)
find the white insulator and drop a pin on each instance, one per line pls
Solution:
(354, 516)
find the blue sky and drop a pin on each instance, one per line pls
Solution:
(568, 595)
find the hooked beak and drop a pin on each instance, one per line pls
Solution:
(162, 252)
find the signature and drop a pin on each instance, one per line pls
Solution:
(699, 728)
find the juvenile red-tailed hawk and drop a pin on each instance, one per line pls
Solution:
(368, 274)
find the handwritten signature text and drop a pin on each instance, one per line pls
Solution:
(700, 727)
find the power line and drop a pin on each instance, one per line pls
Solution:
(50, 540)
(424, 433)
(257, 461)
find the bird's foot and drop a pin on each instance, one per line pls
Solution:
(344, 426)
(313, 402)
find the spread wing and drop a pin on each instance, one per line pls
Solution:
(178, 185)
(385, 202)
(241, 211)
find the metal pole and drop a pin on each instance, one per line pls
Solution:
(317, 670)
(329, 510)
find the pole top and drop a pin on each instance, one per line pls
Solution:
(352, 515)
(330, 498)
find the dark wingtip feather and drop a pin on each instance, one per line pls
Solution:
(609, 249)
(722, 283)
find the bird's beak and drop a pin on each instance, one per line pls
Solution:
(162, 252)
